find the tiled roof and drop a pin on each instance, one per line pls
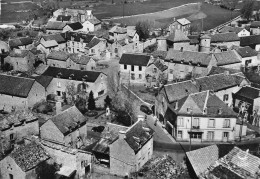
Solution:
(77, 36)
(22, 53)
(187, 57)
(58, 55)
(43, 80)
(227, 57)
(161, 66)
(93, 43)
(246, 52)
(75, 26)
(159, 53)
(131, 32)
(83, 59)
(89, 76)
(137, 136)
(49, 43)
(20, 42)
(16, 118)
(94, 21)
(29, 156)
(63, 18)
(55, 25)
(183, 21)
(69, 120)
(255, 24)
(134, 59)
(226, 29)
(178, 36)
(15, 86)
(194, 39)
(57, 37)
(217, 70)
(249, 92)
(224, 37)
(249, 40)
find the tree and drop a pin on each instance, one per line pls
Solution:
(142, 29)
(81, 104)
(107, 101)
(71, 92)
(232, 4)
(45, 170)
(7, 67)
(247, 9)
(91, 101)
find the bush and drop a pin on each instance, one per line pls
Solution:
(7, 67)
(42, 107)
(123, 118)
(91, 113)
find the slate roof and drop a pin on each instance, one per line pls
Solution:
(63, 18)
(203, 59)
(55, 25)
(227, 57)
(249, 92)
(69, 120)
(29, 156)
(93, 43)
(75, 26)
(255, 24)
(15, 86)
(246, 52)
(250, 40)
(77, 36)
(43, 80)
(183, 21)
(94, 21)
(49, 43)
(134, 59)
(217, 70)
(58, 55)
(78, 75)
(224, 37)
(179, 90)
(137, 136)
(178, 36)
(226, 29)
(20, 42)
(83, 59)
(57, 37)
(161, 66)
(16, 118)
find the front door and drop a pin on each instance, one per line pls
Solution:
(225, 136)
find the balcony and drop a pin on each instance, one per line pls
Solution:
(195, 127)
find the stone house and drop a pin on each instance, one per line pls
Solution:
(241, 32)
(182, 24)
(95, 47)
(53, 27)
(182, 64)
(201, 117)
(249, 57)
(132, 149)
(228, 59)
(83, 81)
(81, 62)
(252, 41)
(156, 72)
(91, 25)
(76, 42)
(224, 85)
(73, 27)
(19, 93)
(120, 47)
(15, 126)
(48, 46)
(21, 43)
(22, 162)
(58, 59)
(255, 28)
(133, 67)
(64, 18)
(228, 39)
(178, 41)
(58, 38)
(67, 128)
(21, 60)
(117, 33)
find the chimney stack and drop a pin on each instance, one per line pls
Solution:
(121, 134)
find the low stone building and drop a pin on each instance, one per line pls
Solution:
(249, 57)
(241, 32)
(73, 27)
(252, 41)
(182, 24)
(21, 43)
(47, 47)
(95, 47)
(19, 93)
(91, 25)
(59, 38)
(53, 27)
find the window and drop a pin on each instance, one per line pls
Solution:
(132, 68)
(101, 93)
(92, 50)
(11, 136)
(132, 76)
(195, 123)
(58, 84)
(116, 50)
(58, 93)
(171, 71)
(225, 97)
(154, 70)
(140, 68)
(125, 67)
(226, 123)
(180, 122)
(210, 135)
(195, 135)
(81, 68)
(140, 76)
(11, 176)
(248, 62)
(225, 135)
(211, 123)
(180, 134)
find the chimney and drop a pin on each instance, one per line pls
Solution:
(226, 72)
(121, 134)
(58, 105)
(220, 111)
(176, 105)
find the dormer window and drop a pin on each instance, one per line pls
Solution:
(59, 75)
(71, 76)
(182, 61)
(190, 62)
(205, 110)
(198, 64)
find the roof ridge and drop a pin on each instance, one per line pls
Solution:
(177, 82)
(18, 76)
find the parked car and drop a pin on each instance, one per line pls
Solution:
(98, 129)
(146, 109)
